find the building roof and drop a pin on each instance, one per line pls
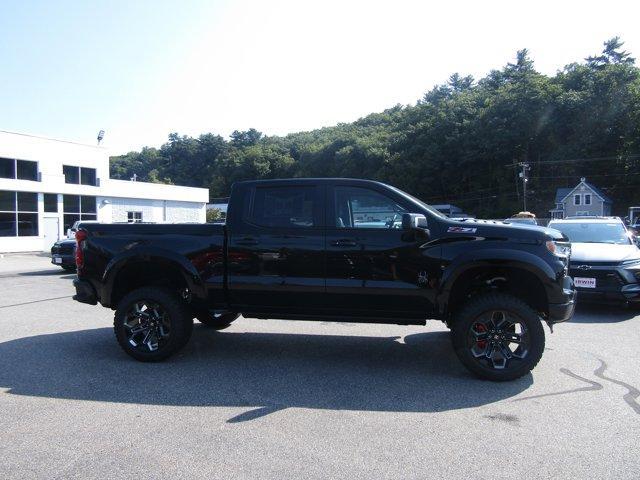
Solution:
(599, 192)
(51, 139)
(563, 193)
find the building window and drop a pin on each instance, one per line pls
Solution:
(78, 207)
(51, 203)
(134, 217)
(71, 174)
(576, 199)
(587, 199)
(18, 169)
(27, 170)
(80, 175)
(7, 168)
(18, 214)
(88, 176)
(560, 206)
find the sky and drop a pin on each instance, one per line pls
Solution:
(143, 69)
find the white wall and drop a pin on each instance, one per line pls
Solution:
(114, 198)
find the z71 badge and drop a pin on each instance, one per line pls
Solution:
(461, 230)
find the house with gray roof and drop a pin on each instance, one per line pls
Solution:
(585, 199)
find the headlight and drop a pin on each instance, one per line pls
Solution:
(631, 263)
(559, 249)
(632, 266)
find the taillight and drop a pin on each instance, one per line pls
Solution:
(81, 236)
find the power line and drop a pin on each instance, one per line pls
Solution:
(590, 176)
(634, 156)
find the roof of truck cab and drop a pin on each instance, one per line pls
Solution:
(310, 180)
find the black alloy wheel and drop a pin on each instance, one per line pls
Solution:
(498, 337)
(152, 323)
(147, 326)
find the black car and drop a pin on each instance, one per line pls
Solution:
(605, 259)
(341, 250)
(63, 254)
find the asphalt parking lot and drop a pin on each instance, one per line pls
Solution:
(287, 399)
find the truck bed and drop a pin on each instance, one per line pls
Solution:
(197, 248)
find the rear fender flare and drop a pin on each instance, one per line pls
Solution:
(157, 256)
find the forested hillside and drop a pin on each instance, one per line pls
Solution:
(454, 146)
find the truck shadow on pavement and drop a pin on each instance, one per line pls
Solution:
(264, 372)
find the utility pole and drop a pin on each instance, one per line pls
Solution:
(523, 175)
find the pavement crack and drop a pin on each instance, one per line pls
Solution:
(632, 394)
(593, 386)
(35, 301)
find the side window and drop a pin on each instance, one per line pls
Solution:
(357, 207)
(283, 206)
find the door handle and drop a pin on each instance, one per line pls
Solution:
(344, 243)
(247, 241)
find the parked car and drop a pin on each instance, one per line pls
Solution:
(71, 232)
(605, 259)
(522, 217)
(291, 250)
(63, 254)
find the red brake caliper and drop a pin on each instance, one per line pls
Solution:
(480, 328)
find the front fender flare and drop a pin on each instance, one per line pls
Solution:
(491, 258)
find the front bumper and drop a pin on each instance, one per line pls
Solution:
(626, 293)
(563, 311)
(85, 292)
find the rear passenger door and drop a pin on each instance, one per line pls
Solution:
(276, 250)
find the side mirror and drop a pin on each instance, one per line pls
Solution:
(411, 221)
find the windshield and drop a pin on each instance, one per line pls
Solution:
(529, 221)
(593, 232)
(429, 208)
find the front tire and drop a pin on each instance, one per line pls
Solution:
(151, 324)
(498, 337)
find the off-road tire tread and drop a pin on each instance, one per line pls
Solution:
(497, 300)
(181, 322)
(220, 323)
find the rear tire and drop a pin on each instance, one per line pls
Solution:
(151, 324)
(498, 337)
(217, 322)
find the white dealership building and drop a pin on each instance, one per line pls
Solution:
(47, 184)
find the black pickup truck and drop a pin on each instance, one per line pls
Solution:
(332, 249)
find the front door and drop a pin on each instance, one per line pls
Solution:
(276, 250)
(373, 266)
(51, 232)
